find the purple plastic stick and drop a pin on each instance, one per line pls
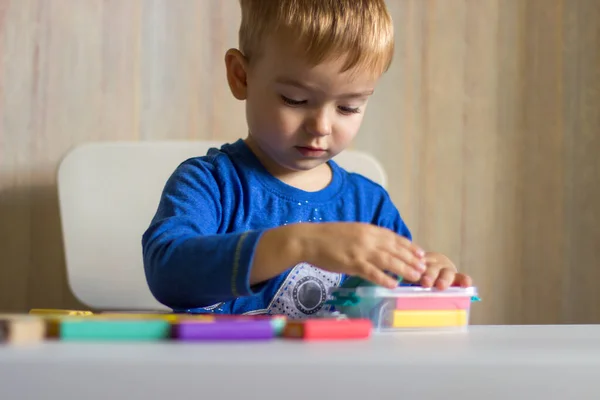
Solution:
(224, 330)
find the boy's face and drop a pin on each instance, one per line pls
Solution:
(299, 116)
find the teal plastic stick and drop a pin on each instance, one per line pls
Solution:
(114, 330)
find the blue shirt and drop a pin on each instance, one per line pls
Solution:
(199, 247)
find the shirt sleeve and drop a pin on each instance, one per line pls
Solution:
(187, 263)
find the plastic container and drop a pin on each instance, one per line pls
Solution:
(406, 307)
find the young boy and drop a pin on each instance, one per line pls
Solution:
(269, 223)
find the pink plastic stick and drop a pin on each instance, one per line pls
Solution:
(435, 303)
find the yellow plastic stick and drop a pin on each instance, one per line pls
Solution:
(429, 318)
(51, 311)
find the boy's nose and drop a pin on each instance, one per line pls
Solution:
(319, 124)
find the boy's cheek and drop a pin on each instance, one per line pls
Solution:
(346, 132)
(287, 120)
(266, 118)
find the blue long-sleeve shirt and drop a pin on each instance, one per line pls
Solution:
(199, 247)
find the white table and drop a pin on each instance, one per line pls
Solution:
(488, 362)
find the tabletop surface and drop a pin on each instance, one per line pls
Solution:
(510, 344)
(553, 359)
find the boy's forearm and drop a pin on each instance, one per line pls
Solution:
(204, 270)
(198, 271)
(278, 250)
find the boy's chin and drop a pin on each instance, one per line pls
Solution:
(306, 165)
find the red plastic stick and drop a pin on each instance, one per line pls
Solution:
(328, 329)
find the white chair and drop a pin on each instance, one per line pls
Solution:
(108, 194)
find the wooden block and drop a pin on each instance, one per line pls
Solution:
(328, 329)
(429, 318)
(52, 323)
(21, 329)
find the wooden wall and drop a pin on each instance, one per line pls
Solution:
(488, 125)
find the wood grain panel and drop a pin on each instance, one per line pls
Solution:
(481, 240)
(487, 123)
(19, 38)
(543, 163)
(581, 96)
(501, 266)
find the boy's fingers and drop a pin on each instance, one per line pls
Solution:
(430, 276)
(403, 242)
(409, 258)
(405, 271)
(385, 260)
(445, 278)
(462, 280)
(378, 277)
(437, 274)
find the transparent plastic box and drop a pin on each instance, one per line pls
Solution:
(405, 307)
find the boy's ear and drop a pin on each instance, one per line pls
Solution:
(236, 65)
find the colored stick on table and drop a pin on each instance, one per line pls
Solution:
(429, 318)
(100, 329)
(433, 303)
(50, 311)
(224, 330)
(323, 329)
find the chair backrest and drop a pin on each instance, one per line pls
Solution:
(108, 194)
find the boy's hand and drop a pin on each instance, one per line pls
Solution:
(358, 249)
(363, 250)
(442, 273)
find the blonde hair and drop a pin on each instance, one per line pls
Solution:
(359, 30)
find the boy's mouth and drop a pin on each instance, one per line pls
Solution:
(309, 151)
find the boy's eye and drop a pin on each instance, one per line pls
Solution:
(349, 110)
(343, 109)
(292, 102)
